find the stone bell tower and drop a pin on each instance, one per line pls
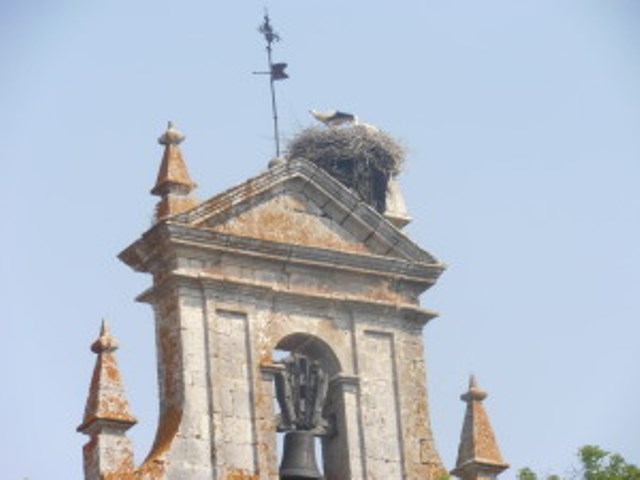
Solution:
(291, 260)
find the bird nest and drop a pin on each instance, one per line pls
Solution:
(360, 156)
(361, 144)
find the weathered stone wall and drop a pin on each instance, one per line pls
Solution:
(110, 451)
(183, 435)
(216, 338)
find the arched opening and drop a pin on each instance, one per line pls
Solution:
(315, 352)
(314, 348)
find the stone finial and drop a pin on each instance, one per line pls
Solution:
(105, 342)
(474, 393)
(276, 162)
(107, 416)
(396, 208)
(478, 453)
(173, 185)
(171, 136)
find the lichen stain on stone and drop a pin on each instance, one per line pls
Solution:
(112, 372)
(171, 367)
(384, 292)
(167, 430)
(240, 475)
(154, 466)
(106, 398)
(285, 219)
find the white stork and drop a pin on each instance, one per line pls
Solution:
(333, 118)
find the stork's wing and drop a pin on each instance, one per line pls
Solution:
(333, 117)
(337, 115)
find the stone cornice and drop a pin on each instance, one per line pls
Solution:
(222, 283)
(142, 254)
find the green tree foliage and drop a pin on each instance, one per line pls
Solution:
(595, 464)
(598, 464)
(526, 474)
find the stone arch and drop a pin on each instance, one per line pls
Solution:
(314, 348)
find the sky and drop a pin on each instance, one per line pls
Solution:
(522, 126)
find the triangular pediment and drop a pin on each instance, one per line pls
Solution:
(289, 217)
(299, 203)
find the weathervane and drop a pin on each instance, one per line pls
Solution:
(276, 72)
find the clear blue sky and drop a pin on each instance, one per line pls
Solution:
(522, 121)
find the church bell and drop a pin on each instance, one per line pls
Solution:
(299, 457)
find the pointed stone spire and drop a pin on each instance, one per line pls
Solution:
(173, 185)
(478, 453)
(106, 416)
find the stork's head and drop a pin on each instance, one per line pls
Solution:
(320, 116)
